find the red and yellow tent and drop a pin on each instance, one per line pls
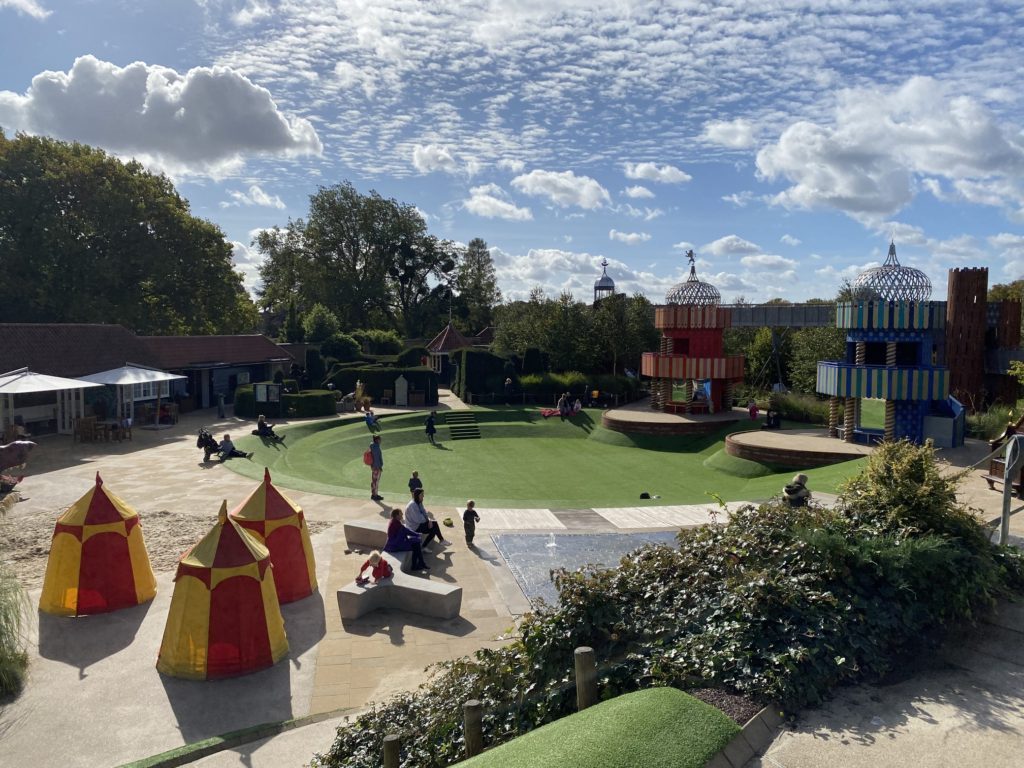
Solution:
(98, 560)
(224, 618)
(278, 522)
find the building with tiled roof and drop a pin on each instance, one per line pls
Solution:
(70, 349)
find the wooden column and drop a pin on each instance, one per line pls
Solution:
(833, 416)
(849, 418)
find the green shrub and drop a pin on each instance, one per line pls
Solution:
(315, 366)
(989, 424)
(412, 357)
(480, 372)
(245, 402)
(378, 342)
(341, 347)
(312, 402)
(377, 379)
(319, 324)
(14, 607)
(781, 603)
(797, 407)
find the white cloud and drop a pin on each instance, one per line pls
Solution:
(490, 202)
(645, 213)
(734, 134)
(731, 245)
(179, 122)
(768, 261)
(637, 192)
(27, 7)
(629, 238)
(247, 261)
(739, 199)
(350, 76)
(790, 240)
(431, 157)
(880, 141)
(251, 12)
(1011, 253)
(684, 246)
(563, 189)
(254, 196)
(663, 174)
(513, 166)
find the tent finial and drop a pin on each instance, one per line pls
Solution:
(99, 480)
(222, 516)
(266, 475)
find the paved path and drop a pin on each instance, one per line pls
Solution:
(106, 663)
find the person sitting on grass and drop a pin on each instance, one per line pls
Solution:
(263, 429)
(401, 539)
(381, 569)
(420, 521)
(796, 493)
(226, 450)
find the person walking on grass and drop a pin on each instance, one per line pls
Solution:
(415, 482)
(419, 519)
(469, 520)
(376, 468)
(431, 428)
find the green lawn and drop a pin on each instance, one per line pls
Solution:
(523, 460)
(872, 413)
(656, 728)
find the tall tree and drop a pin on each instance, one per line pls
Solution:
(96, 240)
(477, 286)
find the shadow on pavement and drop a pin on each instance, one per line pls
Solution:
(85, 640)
(393, 623)
(305, 625)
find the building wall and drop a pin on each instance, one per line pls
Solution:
(966, 324)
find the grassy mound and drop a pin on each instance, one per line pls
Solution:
(735, 466)
(647, 729)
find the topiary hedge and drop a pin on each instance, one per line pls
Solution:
(308, 404)
(377, 379)
(781, 603)
(480, 372)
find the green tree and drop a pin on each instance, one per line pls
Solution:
(477, 286)
(811, 345)
(94, 240)
(294, 333)
(624, 327)
(319, 324)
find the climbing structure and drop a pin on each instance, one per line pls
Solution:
(690, 371)
(895, 340)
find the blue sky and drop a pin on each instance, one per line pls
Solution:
(785, 141)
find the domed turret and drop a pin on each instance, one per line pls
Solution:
(892, 282)
(694, 291)
(604, 285)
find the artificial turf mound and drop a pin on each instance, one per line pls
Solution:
(656, 728)
(522, 460)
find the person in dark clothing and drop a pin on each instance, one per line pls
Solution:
(469, 520)
(415, 482)
(401, 539)
(431, 427)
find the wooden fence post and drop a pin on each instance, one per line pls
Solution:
(472, 720)
(391, 747)
(586, 677)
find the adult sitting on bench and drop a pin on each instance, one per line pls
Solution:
(420, 521)
(401, 539)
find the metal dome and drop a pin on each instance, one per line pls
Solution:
(604, 281)
(694, 291)
(892, 282)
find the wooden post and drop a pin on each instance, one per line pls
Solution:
(833, 416)
(586, 677)
(391, 746)
(472, 723)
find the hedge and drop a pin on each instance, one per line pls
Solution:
(311, 403)
(377, 379)
(412, 357)
(480, 371)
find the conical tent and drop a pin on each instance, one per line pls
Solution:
(224, 619)
(98, 560)
(279, 523)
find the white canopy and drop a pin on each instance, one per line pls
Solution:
(23, 381)
(131, 373)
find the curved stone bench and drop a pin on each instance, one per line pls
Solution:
(403, 591)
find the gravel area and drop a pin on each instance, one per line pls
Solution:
(739, 708)
(25, 541)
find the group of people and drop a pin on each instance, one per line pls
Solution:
(565, 408)
(407, 529)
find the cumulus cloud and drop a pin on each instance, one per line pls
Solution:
(247, 261)
(768, 261)
(563, 188)
(254, 196)
(663, 174)
(26, 7)
(731, 245)
(645, 213)
(637, 192)
(865, 163)
(734, 134)
(490, 201)
(684, 246)
(1011, 253)
(790, 240)
(629, 238)
(207, 120)
(514, 166)
(432, 157)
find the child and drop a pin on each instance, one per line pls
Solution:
(380, 566)
(415, 482)
(431, 429)
(371, 421)
(469, 520)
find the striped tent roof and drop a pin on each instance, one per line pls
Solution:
(226, 550)
(98, 506)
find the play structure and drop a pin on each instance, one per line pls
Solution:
(98, 560)
(690, 371)
(224, 619)
(278, 523)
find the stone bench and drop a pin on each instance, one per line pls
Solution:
(403, 590)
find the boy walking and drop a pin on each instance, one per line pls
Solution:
(376, 467)
(469, 520)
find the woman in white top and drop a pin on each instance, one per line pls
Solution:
(418, 519)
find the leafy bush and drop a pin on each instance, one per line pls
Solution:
(341, 347)
(14, 609)
(319, 324)
(986, 425)
(796, 407)
(377, 379)
(312, 402)
(378, 342)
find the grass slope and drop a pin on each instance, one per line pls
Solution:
(521, 460)
(656, 728)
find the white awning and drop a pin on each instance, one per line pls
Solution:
(130, 374)
(23, 381)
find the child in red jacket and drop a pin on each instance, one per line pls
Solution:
(380, 566)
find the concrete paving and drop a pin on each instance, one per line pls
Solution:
(94, 697)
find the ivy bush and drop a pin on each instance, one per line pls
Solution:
(782, 604)
(797, 407)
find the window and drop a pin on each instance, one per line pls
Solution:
(148, 390)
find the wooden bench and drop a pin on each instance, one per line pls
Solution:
(404, 591)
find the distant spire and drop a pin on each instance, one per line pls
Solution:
(891, 259)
